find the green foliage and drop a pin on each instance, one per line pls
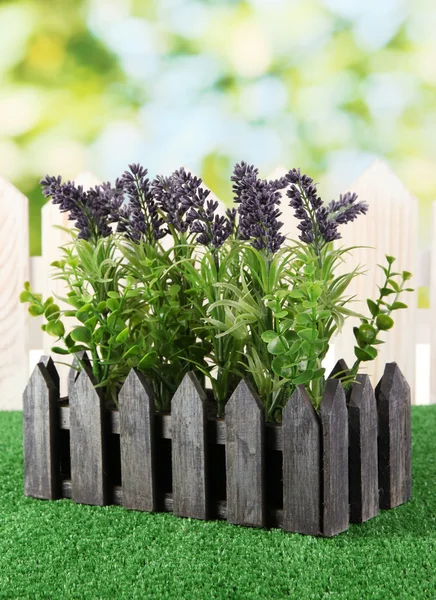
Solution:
(225, 312)
(380, 319)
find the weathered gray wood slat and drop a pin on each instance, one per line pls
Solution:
(302, 465)
(189, 449)
(339, 368)
(275, 516)
(87, 443)
(216, 429)
(245, 457)
(394, 438)
(136, 410)
(363, 459)
(334, 422)
(73, 373)
(41, 432)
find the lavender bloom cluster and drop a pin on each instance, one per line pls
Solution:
(319, 223)
(258, 212)
(92, 210)
(139, 217)
(187, 207)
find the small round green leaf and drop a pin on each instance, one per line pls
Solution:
(112, 304)
(35, 310)
(55, 328)
(310, 335)
(269, 336)
(384, 322)
(52, 312)
(26, 296)
(81, 334)
(367, 333)
(277, 346)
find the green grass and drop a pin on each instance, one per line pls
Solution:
(61, 550)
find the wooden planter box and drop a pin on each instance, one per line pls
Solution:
(311, 474)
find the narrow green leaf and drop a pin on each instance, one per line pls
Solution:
(148, 361)
(59, 350)
(122, 336)
(373, 308)
(397, 305)
(303, 378)
(365, 354)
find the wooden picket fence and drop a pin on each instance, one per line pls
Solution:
(311, 474)
(390, 227)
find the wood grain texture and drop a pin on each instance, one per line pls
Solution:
(41, 432)
(87, 442)
(363, 456)
(245, 457)
(275, 516)
(189, 449)
(302, 465)
(390, 227)
(14, 318)
(73, 373)
(216, 430)
(136, 408)
(334, 421)
(394, 441)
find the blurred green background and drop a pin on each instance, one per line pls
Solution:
(328, 85)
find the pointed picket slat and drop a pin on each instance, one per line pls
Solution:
(136, 407)
(390, 227)
(394, 441)
(363, 459)
(334, 421)
(87, 442)
(189, 446)
(73, 373)
(41, 432)
(340, 368)
(245, 459)
(14, 318)
(302, 465)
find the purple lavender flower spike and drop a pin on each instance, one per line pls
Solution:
(187, 206)
(318, 223)
(92, 210)
(258, 212)
(139, 218)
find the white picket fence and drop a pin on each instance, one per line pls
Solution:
(390, 227)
